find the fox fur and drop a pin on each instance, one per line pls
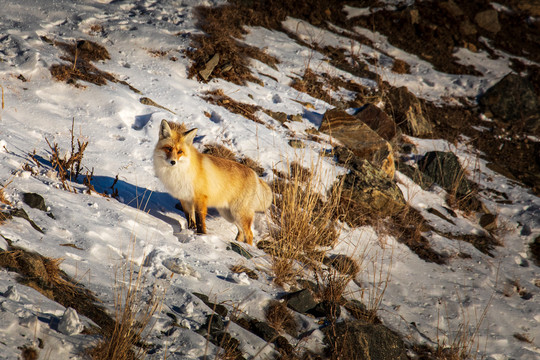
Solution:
(201, 180)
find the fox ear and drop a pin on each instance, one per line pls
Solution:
(189, 136)
(164, 130)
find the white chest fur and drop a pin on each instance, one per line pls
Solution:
(177, 179)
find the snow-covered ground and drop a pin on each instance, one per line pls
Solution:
(421, 300)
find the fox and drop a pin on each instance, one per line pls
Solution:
(202, 180)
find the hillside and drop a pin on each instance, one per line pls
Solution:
(401, 140)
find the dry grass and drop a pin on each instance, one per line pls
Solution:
(281, 318)
(44, 275)
(303, 223)
(464, 343)
(223, 26)
(218, 97)
(68, 166)
(79, 57)
(132, 320)
(29, 353)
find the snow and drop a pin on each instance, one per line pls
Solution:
(144, 228)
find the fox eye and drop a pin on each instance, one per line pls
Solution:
(167, 149)
(179, 152)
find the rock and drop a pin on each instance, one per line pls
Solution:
(378, 121)
(530, 6)
(360, 139)
(406, 109)
(467, 28)
(70, 323)
(535, 250)
(367, 191)
(327, 309)
(209, 67)
(360, 341)
(488, 20)
(512, 99)
(277, 115)
(489, 222)
(300, 301)
(218, 308)
(263, 330)
(35, 201)
(444, 168)
(297, 144)
(452, 8)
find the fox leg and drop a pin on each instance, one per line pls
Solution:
(245, 234)
(189, 213)
(200, 214)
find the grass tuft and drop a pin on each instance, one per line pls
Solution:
(303, 223)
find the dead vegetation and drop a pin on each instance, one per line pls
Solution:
(44, 275)
(68, 166)
(132, 320)
(218, 97)
(303, 223)
(80, 57)
(223, 27)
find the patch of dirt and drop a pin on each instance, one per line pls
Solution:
(223, 29)
(433, 31)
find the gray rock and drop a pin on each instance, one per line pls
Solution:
(301, 301)
(368, 192)
(35, 201)
(512, 99)
(444, 168)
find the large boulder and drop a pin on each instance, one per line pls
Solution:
(369, 193)
(360, 341)
(378, 121)
(406, 109)
(360, 139)
(512, 100)
(445, 170)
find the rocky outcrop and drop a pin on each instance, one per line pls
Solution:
(512, 100)
(367, 191)
(445, 170)
(359, 139)
(407, 112)
(378, 121)
(361, 341)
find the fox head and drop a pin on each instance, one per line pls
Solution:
(174, 145)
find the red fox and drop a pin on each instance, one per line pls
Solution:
(200, 181)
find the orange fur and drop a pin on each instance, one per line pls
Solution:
(200, 181)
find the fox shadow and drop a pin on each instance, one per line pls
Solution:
(155, 203)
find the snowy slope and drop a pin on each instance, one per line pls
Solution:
(144, 227)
